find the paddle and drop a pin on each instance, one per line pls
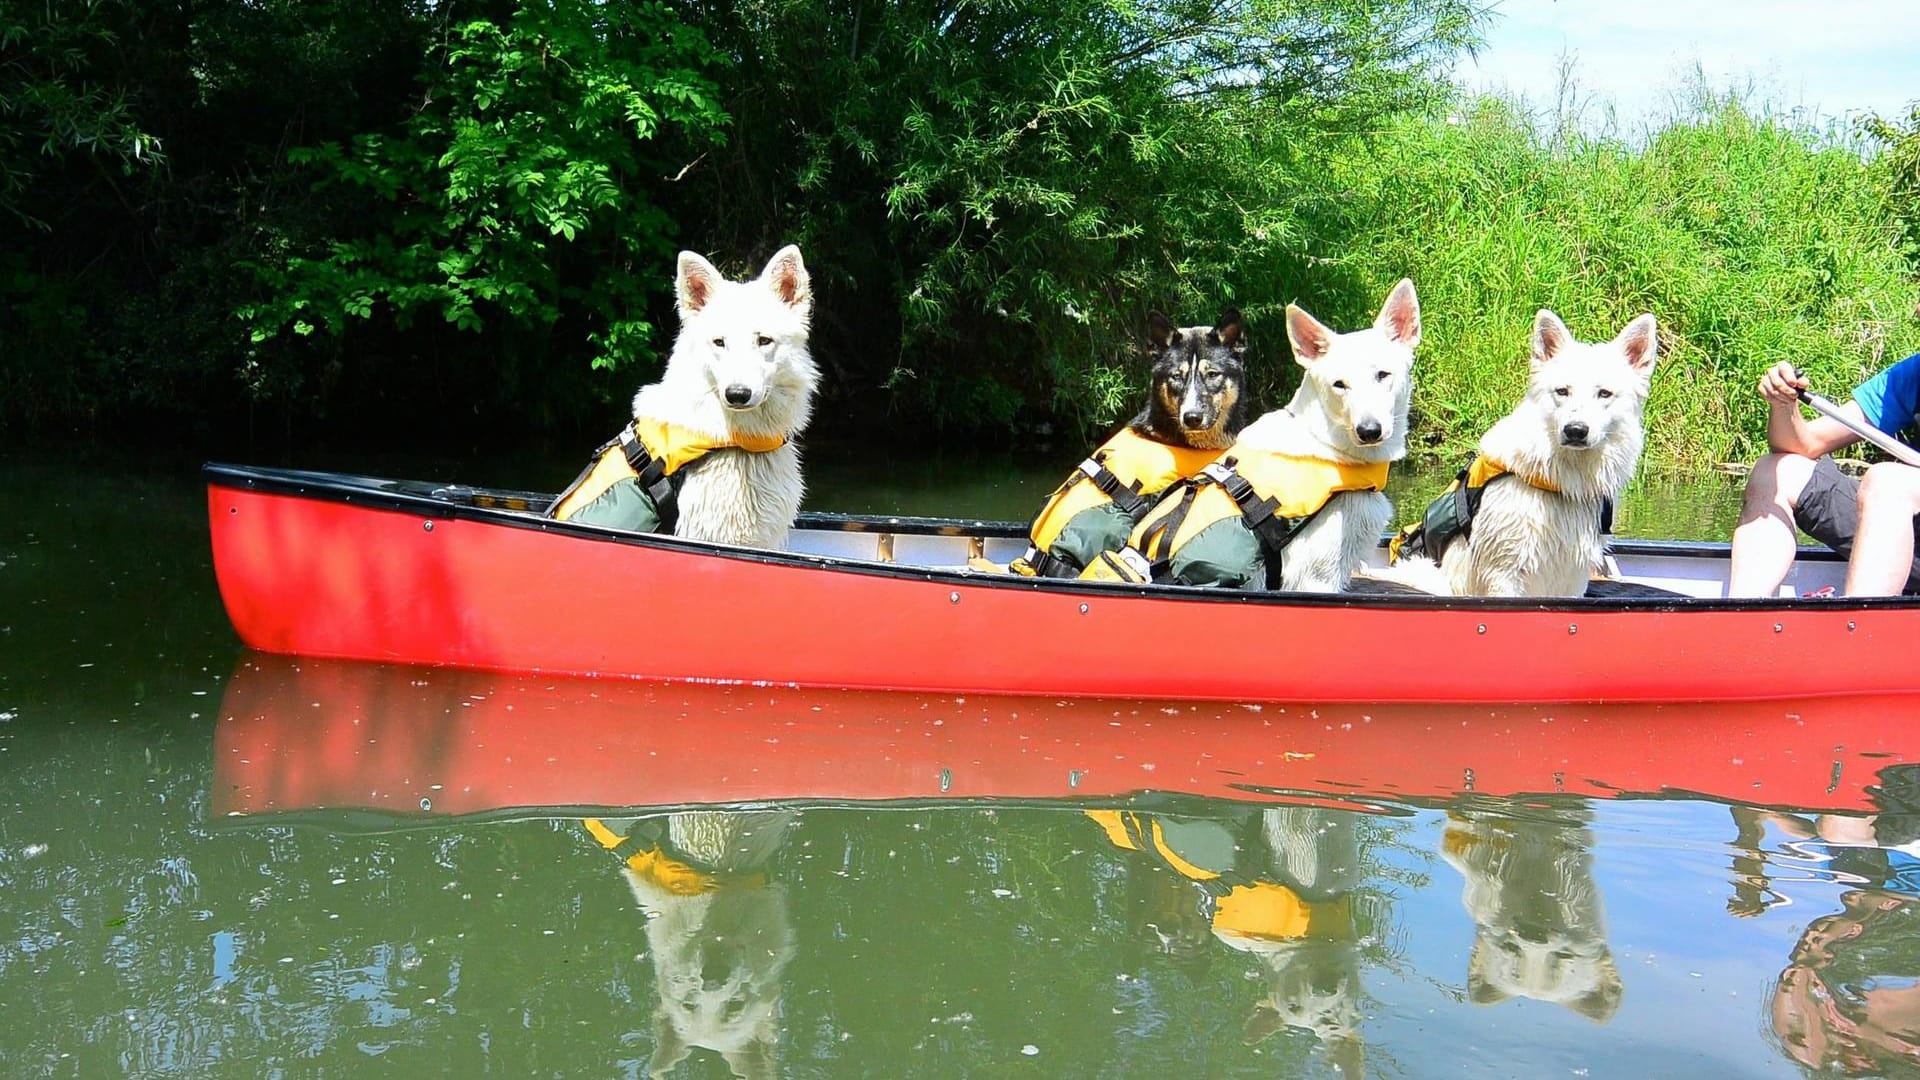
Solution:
(1898, 450)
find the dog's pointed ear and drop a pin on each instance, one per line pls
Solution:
(1400, 315)
(1231, 330)
(1640, 341)
(787, 276)
(1160, 330)
(694, 283)
(1310, 339)
(1550, 335)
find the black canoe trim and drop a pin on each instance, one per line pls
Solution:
(500, 507)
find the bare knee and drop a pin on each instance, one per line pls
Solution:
(1778, 480)
(1892, 487)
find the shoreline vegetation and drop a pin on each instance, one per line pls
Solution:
(344, 219)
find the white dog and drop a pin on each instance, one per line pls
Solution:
(1351, 408)
(720, 945)
(740, 367)
(1539, 931)
(710, 453)
(1568, 449)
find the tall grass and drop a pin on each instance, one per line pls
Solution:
(1753, 239)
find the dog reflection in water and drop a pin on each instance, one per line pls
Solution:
(718, 930)
(1277, 885)
(1539, 931)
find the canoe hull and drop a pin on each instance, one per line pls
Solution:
(316, 575)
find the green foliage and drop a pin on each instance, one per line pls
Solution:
(1899, 142)
(473, 208)
(994, 195)
(1752, 240)
(517, 191)
(55, 106)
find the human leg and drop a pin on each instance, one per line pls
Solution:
(1882, 562)
(1765, 540)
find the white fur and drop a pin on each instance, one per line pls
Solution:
(1530, 542)
(1352, 382)
(1539, 931)
(719, 956)
(750, 335)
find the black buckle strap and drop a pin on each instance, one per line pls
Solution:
(1123, 495)
(1260, 515)
(1046, 564)
(651, 471)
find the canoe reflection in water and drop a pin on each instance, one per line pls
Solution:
(1280, 885)
(1538, 927)
(1849, 997)
(718, 930)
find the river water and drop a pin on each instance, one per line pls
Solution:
(220, 863)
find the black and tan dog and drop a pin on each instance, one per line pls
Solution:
(1195, 407)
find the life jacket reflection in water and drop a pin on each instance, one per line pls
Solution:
(1229, 525)
(634, 480)
(1450, 516)
(1242, 906)
(1098, 506)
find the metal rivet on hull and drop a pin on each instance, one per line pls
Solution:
(1481, 629)
(1777, 628)
(1572, 629)
(1083, 609)
(427, 525)
(953, 598)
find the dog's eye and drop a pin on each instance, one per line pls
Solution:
(1562, 391)
(1383, 376)
(762, 340)
(1603, 393)
(719, 343)
(1339, 384)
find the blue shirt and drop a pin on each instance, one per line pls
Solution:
(1891, 399)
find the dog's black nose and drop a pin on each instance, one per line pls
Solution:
(738, 395)
(1367, 431)
(1574, 434)
(1193, 419)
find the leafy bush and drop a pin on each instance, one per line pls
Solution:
(517, 194)
(1753, 240)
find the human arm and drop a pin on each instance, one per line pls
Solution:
(1788, 432)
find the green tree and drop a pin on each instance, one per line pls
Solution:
(516, 194)
(994, 194)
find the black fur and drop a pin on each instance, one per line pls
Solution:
(1215, 357)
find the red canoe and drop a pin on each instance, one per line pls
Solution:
(301, 735)
(321, 564)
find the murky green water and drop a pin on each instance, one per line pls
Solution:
(216, 863)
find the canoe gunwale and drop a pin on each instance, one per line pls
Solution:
(457, 501)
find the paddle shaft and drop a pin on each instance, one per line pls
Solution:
(1898, 450)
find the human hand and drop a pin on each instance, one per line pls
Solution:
(1782, 383)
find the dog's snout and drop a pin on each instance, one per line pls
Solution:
(1367, 431)
(738, 395)
(1574, 434)
(1193, 420)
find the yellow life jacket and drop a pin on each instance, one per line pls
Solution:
(1128, 470)
(1274, 495)
(655, 454)
(1243, 907)
(669, 873)
(1450, 516)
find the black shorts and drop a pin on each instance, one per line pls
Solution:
(1829, 511)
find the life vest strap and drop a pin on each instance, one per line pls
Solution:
(652, 474)
(1124, 495)
(1037, 563)
(1272, 531)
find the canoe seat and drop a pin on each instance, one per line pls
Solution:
(1613, 589)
